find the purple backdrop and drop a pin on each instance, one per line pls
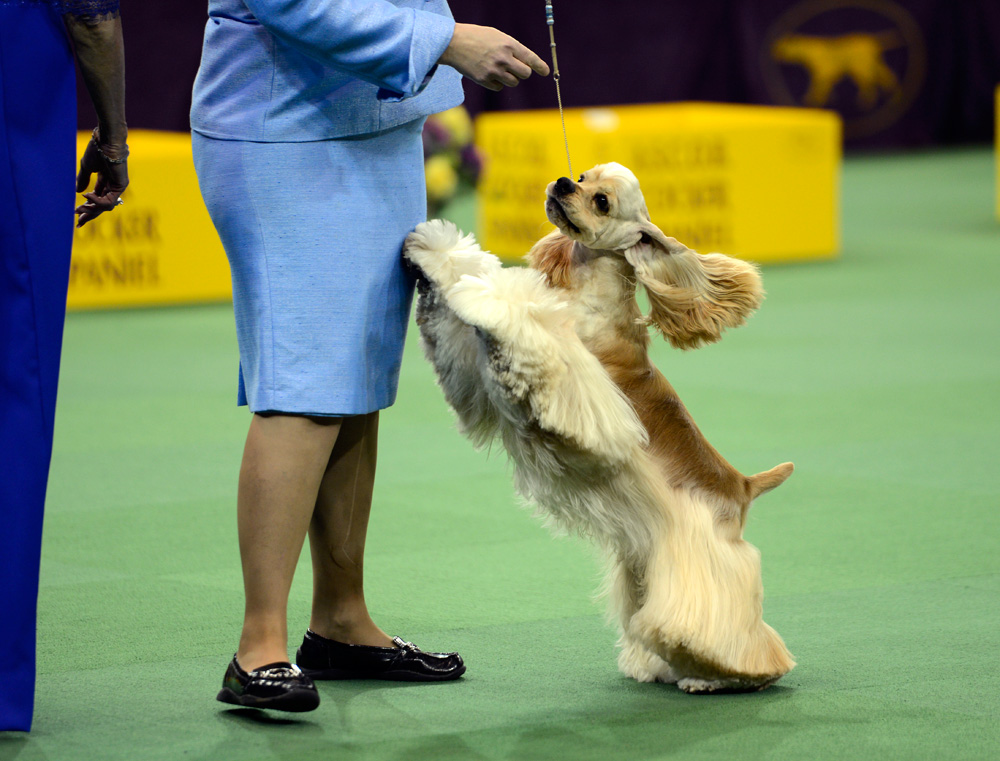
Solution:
(902, 73)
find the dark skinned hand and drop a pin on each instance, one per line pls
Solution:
(112, 179)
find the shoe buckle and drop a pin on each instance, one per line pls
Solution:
(404, 645)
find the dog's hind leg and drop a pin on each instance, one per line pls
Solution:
(635, 660)
(642, 664)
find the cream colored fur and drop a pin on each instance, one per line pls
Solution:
(539, 365)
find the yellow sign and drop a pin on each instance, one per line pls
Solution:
(757, 182)
(160, 246)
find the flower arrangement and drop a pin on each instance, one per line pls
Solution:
(451, 161)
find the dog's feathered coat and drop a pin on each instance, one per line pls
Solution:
(553, 361)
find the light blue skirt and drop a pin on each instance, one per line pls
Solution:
(314, 232)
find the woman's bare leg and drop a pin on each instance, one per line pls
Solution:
(284, 463)
(337, 537)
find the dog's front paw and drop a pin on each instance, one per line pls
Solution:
(444, 254)
(515, 306)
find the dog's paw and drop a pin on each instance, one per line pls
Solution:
(444, 254)
(697, 686)
(643, 665)
(693, 686)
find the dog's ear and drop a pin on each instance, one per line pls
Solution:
(552, 256)
(693, 298)
(651, 236)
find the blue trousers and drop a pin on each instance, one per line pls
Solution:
(37, 157)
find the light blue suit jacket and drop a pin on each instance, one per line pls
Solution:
(299, 70)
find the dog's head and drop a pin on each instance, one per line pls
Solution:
(693, 297)
(604, 210)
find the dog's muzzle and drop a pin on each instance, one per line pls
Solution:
(557, 215)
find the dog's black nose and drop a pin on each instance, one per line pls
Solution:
(564, 186)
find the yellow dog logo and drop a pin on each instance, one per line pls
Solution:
(867, 59)
(858, 57)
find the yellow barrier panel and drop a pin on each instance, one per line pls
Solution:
(159, 247)
(752, 181)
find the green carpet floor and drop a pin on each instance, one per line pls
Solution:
(878, 374)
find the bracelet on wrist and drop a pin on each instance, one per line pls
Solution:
(96, 140)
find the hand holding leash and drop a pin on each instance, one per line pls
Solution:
(491, 58)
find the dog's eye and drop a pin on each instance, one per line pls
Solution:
(581, 178)
(602, 202)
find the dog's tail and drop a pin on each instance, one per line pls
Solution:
(769, 479)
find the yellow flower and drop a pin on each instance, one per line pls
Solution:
(442, 179)
(458, 123)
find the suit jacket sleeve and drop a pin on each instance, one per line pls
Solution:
(373, 40)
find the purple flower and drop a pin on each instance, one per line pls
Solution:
(471, 163)
(435, 137)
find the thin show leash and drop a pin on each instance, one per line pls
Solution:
(555, 76)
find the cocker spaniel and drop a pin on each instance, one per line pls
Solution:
(552, 360)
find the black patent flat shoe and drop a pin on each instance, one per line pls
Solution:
(322, 658)
(278, 686)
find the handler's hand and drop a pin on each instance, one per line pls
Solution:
(491, 58)
(112, 179)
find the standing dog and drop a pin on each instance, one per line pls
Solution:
(553, 361)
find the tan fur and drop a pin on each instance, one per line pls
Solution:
(692, 315)
(553, 256)
(641, 479)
